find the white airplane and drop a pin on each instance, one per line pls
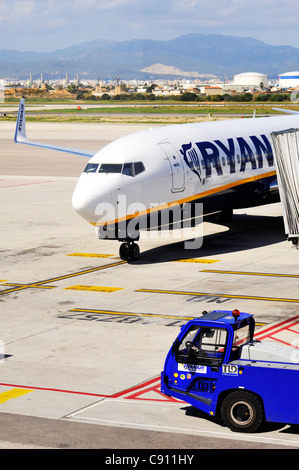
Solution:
(129, 184)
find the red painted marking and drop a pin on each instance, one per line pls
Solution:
(23, 184)
(278, 326)
(54, 390)
(136, 392)
(273, 333)
(142, 392)
(137, 387)
(293, 331)
(283, 342)
(137, 396)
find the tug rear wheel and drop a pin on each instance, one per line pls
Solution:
(242, 412)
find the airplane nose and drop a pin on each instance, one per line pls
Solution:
(89, 200)
(81, 203)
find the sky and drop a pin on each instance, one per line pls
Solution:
(48, 25)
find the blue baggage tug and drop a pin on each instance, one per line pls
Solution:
(217, 366)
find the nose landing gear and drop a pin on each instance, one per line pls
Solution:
(129, 251)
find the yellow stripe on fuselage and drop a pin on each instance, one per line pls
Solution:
(168, 205)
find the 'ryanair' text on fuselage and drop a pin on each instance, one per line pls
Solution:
(237, 153)
(22, 107)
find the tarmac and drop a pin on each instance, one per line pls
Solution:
(84, 335)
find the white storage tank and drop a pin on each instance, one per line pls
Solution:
(289, 80)
(251, 80)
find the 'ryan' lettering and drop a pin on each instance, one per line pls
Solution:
(246, 154)
(239, 154)
(229, 152)
(210, 154)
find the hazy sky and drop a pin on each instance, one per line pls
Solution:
(47, 25)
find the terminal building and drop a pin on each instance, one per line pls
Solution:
(289, 80)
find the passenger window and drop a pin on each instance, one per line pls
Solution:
(91, 168)
(139, 168)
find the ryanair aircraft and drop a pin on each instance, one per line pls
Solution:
(131, 184)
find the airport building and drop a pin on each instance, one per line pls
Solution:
(289, 80)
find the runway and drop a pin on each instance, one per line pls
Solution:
(84, 334)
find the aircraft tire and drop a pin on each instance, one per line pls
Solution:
(134, 252)
(129, 251)
(124, 251)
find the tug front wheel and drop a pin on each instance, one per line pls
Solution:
(242, 412)
(129, 251)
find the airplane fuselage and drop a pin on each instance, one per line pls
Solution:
(224, 164)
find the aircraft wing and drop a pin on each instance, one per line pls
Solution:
(21, 137)
(289, 111)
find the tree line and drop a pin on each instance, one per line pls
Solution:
(187, 97)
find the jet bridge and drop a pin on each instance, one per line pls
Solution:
(286, 157)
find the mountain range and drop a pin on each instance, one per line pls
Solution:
(188, 55)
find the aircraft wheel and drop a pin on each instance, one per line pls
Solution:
(129, 251)
(124, 251)
(134, 252)
(242, 412)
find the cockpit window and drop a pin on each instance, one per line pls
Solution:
(110, 168)
(138, 168)
(133, 169)
(129, 169)
(91, 168)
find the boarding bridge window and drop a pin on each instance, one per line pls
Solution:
(110, 168)
(202, 346)
(91, 168)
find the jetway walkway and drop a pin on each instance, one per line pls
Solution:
(286, 156)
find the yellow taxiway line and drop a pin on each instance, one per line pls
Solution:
(248, 273)
(214, 294)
